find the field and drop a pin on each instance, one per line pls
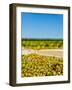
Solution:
(42, 44)
(39, 63)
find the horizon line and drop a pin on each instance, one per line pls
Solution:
(43, 38)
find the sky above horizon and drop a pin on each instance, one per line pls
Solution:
(36, 25)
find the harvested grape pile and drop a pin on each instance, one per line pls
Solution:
(38, 65)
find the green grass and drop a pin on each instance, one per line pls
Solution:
(42, 43)
(38, 65)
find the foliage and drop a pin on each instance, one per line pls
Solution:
(42, 44)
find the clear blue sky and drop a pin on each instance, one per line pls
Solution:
(36, 25)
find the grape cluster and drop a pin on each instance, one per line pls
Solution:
(38, 65)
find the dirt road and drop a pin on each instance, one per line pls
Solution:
(45, 52)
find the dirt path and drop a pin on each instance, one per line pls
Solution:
(45, 52)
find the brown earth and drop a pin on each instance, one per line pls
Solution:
(45, 52)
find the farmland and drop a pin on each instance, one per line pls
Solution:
(42, 44)
(43, 57)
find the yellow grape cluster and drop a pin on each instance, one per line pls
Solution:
(38, 65)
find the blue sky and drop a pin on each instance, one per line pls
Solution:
(36, 25)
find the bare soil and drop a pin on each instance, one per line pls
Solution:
(45, 52)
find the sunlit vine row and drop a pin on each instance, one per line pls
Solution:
(38, 44)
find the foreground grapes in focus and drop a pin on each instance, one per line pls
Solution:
(38, 65)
